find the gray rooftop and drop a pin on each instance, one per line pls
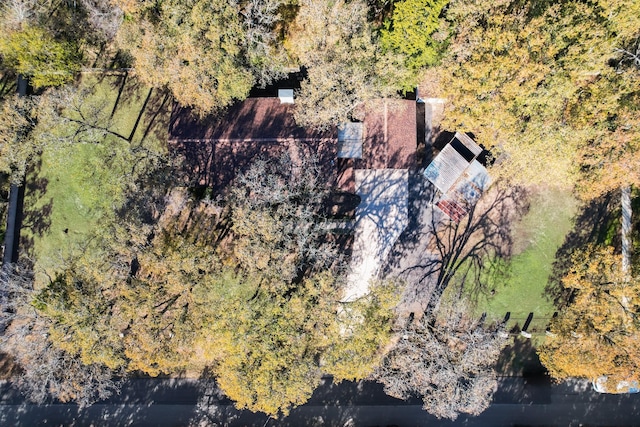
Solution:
(350, 137)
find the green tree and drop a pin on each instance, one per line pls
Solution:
(416, 32)
(34, 53)
(596, 333)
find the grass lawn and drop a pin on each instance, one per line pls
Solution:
(521, 290)
(75, 189)
(536, 239)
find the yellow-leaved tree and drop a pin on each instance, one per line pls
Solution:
(207, 52)
(550, 88)
(598, 332)
(178, 297)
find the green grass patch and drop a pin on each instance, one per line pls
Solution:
(74, 190)
(536, 239)
(518, 285)
(66, 201)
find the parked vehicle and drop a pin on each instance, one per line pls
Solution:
(601, 385)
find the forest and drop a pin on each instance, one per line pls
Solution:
(245, 288)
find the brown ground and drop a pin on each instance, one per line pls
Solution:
(8, 367)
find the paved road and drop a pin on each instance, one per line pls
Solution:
(523, 402)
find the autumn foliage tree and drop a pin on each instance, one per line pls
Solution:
(597, 332)
(447, 359)
(291, 330)
(345, 63)
(207, 52)
(539, 83)
(200, 291)
(47, 370)
(49, 41)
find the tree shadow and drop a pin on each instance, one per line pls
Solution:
(37, 220)
(158, 110)
(520, 359)
(123, 81)
(8, 83)
(435, 252)
(214, 150)
(8, 366)
(593, 224)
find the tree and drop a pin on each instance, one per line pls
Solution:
(415, 31)
(34, 53)
(345, 64)
(69, 115)
(290, 331)
(205, 51)
(47, 371)
(596, 333)
(447, 359)
(199, 291)
(365, 331)
(17, 148)
(536, 85)
(103, 16)
(276, 221)
(610, 107)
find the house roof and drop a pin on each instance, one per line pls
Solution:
(457, 174)
(215, 149)
(254, 119)
(390, 135)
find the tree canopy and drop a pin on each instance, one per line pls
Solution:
(596, 334)
(538, 85)
(345, 63)
(447, 359)
(178, 296)
(34, 53)
(207, 52)
(416, 31)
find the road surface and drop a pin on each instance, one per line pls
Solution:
(162, 402)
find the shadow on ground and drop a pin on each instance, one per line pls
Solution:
(595, 223)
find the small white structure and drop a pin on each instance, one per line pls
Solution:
(350, 137)
(459, 177)
(285, 96)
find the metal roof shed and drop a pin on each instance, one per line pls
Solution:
(452, 162)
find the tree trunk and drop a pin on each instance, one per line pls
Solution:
(626, 228)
